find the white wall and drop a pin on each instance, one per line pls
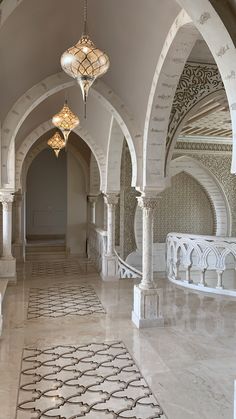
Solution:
(76, 207)
(46, 195)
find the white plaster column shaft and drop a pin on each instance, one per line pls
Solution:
(7, 225)
(148, 206)
(147, 298)
(18, 246)
(7, 261)
(110, 260)
(92, 202)
(111, 201)
(18, 218)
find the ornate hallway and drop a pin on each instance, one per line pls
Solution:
(69, 345)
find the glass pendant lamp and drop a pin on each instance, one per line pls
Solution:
(66, 121)
(84, 61)
(57, 143)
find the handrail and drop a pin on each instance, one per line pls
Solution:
(206, 263)
(125, 270)
(97, 239)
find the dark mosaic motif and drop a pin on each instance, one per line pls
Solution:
(60, 301)
(59, 268)
(93, 381)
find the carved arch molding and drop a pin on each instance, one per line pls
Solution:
(197, 82)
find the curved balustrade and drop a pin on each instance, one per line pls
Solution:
(127, 271)
(97, 239)
(206, 263)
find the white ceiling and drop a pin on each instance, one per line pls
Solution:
(132, 32)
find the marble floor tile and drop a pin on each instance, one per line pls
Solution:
(189, 364)
(93, 380)
(63, 300)
(59, 268)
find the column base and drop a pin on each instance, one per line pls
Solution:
(110, 268)
(147, 308)
(8, 268)
(18, 251)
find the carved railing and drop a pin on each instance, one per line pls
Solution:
(97, 239)
(127, 271)
(207, 263)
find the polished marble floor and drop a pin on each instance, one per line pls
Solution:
(55, 268)
(189, 364)
(63, 300)
(92, 381)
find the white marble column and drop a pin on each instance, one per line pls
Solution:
(147, 298)
(92, 199)
(110, 262)
(7, 262)
(18, 242)
(18, 218)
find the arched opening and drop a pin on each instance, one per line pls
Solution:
(56, 189)
(46, 198)
(184, 207)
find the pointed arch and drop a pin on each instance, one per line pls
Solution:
(49, 86)
(221, 45)
(41, 130)
(36, 149)
(212, 187)
(114, 155)
(176, 49)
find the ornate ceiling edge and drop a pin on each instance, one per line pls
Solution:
(201, 147)
(204, 139)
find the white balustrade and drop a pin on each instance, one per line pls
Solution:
(127, 271)
(96, 245)
(97, 249)
(206, 263)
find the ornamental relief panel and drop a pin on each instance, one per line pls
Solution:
(196, 83)
(220, 166)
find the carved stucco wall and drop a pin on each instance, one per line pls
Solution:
(219, 165)
(127, 207)
(184, 206)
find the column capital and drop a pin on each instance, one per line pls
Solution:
(111, 199)
(6, 198)
(148, 203)
(18, 197)
(92, 199)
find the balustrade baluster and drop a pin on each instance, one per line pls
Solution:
(202, 282)
(188, 278)
(219, 279)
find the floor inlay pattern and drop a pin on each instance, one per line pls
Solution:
(94, 381)
(63, 300)
(58, 268)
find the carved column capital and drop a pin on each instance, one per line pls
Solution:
(6, 199)
(92, 199)
(111, 199)
(148, 203)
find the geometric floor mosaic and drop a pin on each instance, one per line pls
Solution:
(57, 268)
(93, 381)
(63, 300)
